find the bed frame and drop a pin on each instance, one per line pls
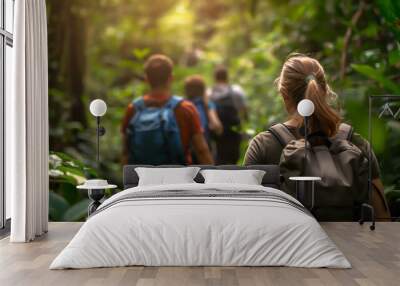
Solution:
(271, 178)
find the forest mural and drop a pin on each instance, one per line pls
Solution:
(97, 49)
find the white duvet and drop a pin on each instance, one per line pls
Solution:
(190, 231)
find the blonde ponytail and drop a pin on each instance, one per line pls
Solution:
(325, 118)
(303, 77)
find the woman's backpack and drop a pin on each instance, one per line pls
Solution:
(227, 110)
(342, 166)
(154, 135)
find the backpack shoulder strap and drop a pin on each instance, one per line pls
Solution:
(345, 132)
(232, 92)
(197, 100)
(139, 104)
(173, 102)
(282, 134)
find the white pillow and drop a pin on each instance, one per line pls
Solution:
(248, 177)
(165, 176)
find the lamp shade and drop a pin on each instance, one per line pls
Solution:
(305, 107)
(98, 107)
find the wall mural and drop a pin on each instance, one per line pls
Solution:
(97, 49)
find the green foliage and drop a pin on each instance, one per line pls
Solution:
(390, 10)
(251, 37)
(77, 211)
(393, 199)
(65, 201)
(57, 206)
(378, 76)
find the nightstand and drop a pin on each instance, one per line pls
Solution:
(301, 189)
(96, 190)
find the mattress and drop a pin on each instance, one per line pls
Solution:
(201, 225)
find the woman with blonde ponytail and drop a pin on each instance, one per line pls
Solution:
(303, 77)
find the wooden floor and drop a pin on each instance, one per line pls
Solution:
(375, 257)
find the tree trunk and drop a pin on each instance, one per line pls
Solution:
(67, 46)
(76, 67)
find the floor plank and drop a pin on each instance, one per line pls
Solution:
(375, 257)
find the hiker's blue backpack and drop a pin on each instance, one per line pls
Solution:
(153, 134)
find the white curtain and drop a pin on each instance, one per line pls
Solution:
(27, 145)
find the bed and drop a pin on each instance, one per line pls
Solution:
(198, 224)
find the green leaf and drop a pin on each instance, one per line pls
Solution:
(71, 193)
(71, 166)
(359, 120)
(64, 179)
(394, 57)
(73, 170)
(376, 75)
(77, 212)
(63, 156)
(69, 160)
(141, 53)
(390, 9)
(393, 195)
(57, 206)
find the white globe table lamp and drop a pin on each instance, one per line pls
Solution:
(305, 108)
(98, 108)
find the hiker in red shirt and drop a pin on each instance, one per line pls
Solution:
(159, 128)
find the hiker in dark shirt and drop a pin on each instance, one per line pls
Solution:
(232, 111)
(303, 77)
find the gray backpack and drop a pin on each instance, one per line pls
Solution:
(342, 166)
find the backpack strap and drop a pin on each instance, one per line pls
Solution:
(282, 134)
(197, 101)
(230, 90)
(345, 132)
(173, 102)
(139, 104)
(200, 103)
(171, 148)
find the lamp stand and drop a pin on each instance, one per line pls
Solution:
(305, 142)
(100, 131)
(95, 195)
